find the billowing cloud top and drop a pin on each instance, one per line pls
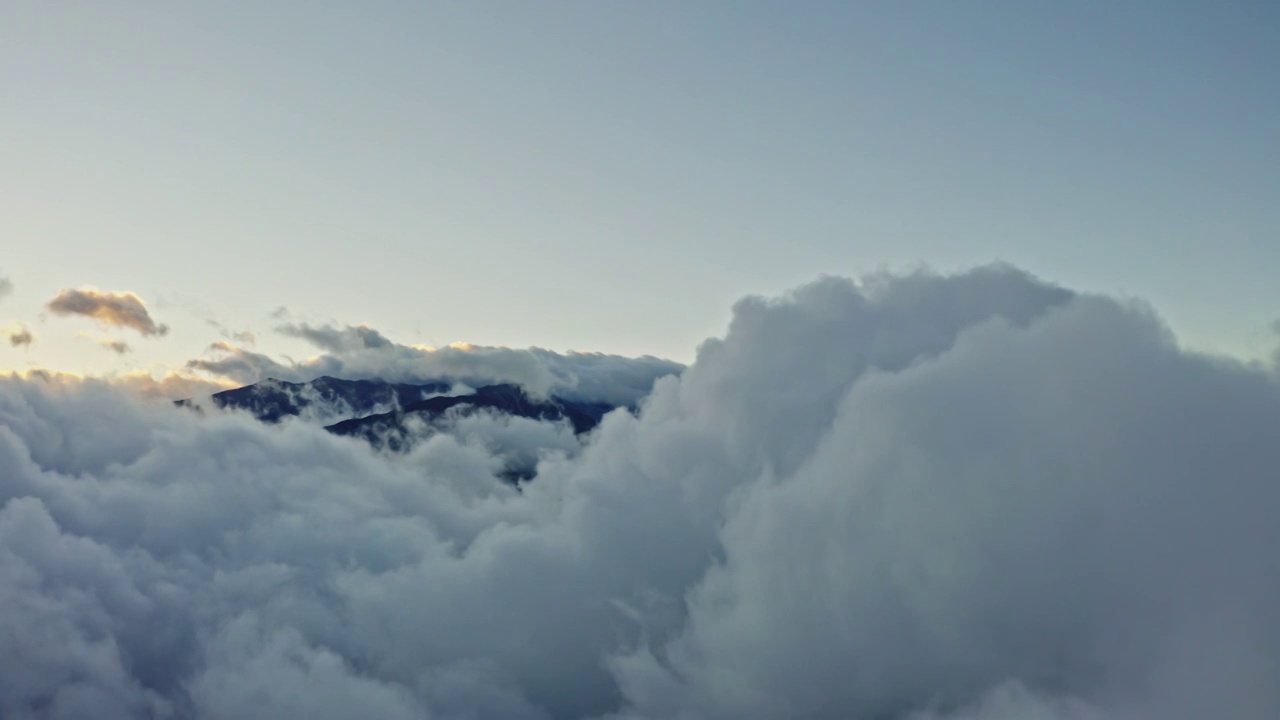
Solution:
(124, 310)
(975, 497)
(363, 353)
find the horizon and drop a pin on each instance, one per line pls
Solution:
(661, 360)
(613, 178)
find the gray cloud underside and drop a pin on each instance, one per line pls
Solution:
(335, 339)
(974, 497)
(124, 310)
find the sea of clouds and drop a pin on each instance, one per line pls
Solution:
(971, 497)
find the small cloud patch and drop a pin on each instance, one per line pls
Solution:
(123, 310)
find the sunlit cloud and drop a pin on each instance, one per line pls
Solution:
(168, 386)
(123, 310)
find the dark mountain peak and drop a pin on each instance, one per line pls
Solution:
(272, 399)
(385, 414)
(503, 392)
(507, 399)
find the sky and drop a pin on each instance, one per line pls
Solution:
(945, 331)
(612, 176)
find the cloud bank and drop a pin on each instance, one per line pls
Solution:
(123, 310)
(973, 497)
(360, 352)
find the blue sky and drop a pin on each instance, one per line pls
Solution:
(612, 176)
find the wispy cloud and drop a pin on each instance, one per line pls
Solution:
(336, 339)
(244, 337)
(118, 347)
(117, 309)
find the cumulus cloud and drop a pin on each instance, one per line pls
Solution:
(358, 353)
(123, 310)
(971, 497)
(19, 335)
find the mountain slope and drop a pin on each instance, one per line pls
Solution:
(328, 397)
(394, 416)
(390, 428)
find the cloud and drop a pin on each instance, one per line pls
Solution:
(972, 497)
(362, 353)
(6, 287)
(118, 347)
(243, 337)
(334, 339)
(169, 386)
(19, 335)
(139, 383)
(124, 310)
(240, 365)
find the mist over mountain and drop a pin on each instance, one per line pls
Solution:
(394, 416)
(977, 496)
(359, 404)
(324, 398)
(361, 353)
(503, 399)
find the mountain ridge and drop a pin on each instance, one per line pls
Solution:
(394, 416)
(504, 398)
